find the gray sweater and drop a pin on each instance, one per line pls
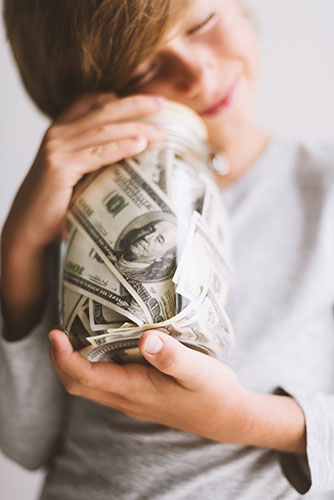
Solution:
(281, 306)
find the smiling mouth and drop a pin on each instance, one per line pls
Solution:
(223, 102)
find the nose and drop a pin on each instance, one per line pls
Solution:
(190, 70)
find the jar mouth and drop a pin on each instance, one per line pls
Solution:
(215, 159)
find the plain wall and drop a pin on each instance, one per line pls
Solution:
(295, 100)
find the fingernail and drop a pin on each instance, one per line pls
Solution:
(153, 344)
(138, 141)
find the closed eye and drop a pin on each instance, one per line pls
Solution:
(149, 73)
(201, 25)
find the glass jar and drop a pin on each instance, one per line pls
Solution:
(146, 245)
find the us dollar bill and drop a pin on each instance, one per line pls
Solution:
(212, 326)
(132, 332)
(155, 166)
(215, 217)
(102, 317)
(83, 313)
(205, 326)
(78, 334)
(202, 265)
(133, 229)
(86, 273)
(71, 303)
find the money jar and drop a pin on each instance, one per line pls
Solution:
(146, 245)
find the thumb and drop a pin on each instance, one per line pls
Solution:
(169, 356)
(61, 346)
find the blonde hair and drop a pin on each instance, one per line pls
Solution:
(64, 48)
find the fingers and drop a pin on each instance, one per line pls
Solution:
(186, 366)
(109, 133)
(82, 376)
(116, 111)
(91, 159)
(84, 104)
(106, 134)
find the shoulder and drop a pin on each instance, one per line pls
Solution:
(313, 161)
(305, 165)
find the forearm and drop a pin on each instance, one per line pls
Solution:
(31, 399)
(271, 421)
(23, 285)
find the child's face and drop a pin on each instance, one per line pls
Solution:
(209, 63)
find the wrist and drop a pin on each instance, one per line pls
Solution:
(18, 242)
(22, 286)
(275, 422)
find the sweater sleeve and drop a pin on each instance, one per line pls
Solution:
(32, 399)
(315, 471)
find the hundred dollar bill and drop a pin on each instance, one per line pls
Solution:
(133, 229)
(212, 326)
(187, 190)
(155, 166)
(102, 317)
(112, 334)
(83, 313)
(86, 273)
(181, 303)
(206, 328)
(78, 334)
(204, 320)
(71, 302)
(215, 218)
(189, 311)
(203, 265)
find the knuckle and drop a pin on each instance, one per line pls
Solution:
(53, 133)
(137, 397)
(85, 382)
(72, 388)
(103, 130)
(52, 159)
(97, 151)
(169, 361)
(107, 107)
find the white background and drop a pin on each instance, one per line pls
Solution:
(296, 99)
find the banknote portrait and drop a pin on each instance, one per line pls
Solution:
(146, 248)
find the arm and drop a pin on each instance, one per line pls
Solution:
(96, 130)
(186, 390)
(32, 401)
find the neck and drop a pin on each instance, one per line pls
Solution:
(242, 151)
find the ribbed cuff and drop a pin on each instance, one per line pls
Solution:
(315, 471)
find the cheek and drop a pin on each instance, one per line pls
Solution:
(235, 40)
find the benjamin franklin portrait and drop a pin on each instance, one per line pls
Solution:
(146, 248)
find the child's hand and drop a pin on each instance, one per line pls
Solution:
(186, 390)
(183, 389)
(95, 131)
